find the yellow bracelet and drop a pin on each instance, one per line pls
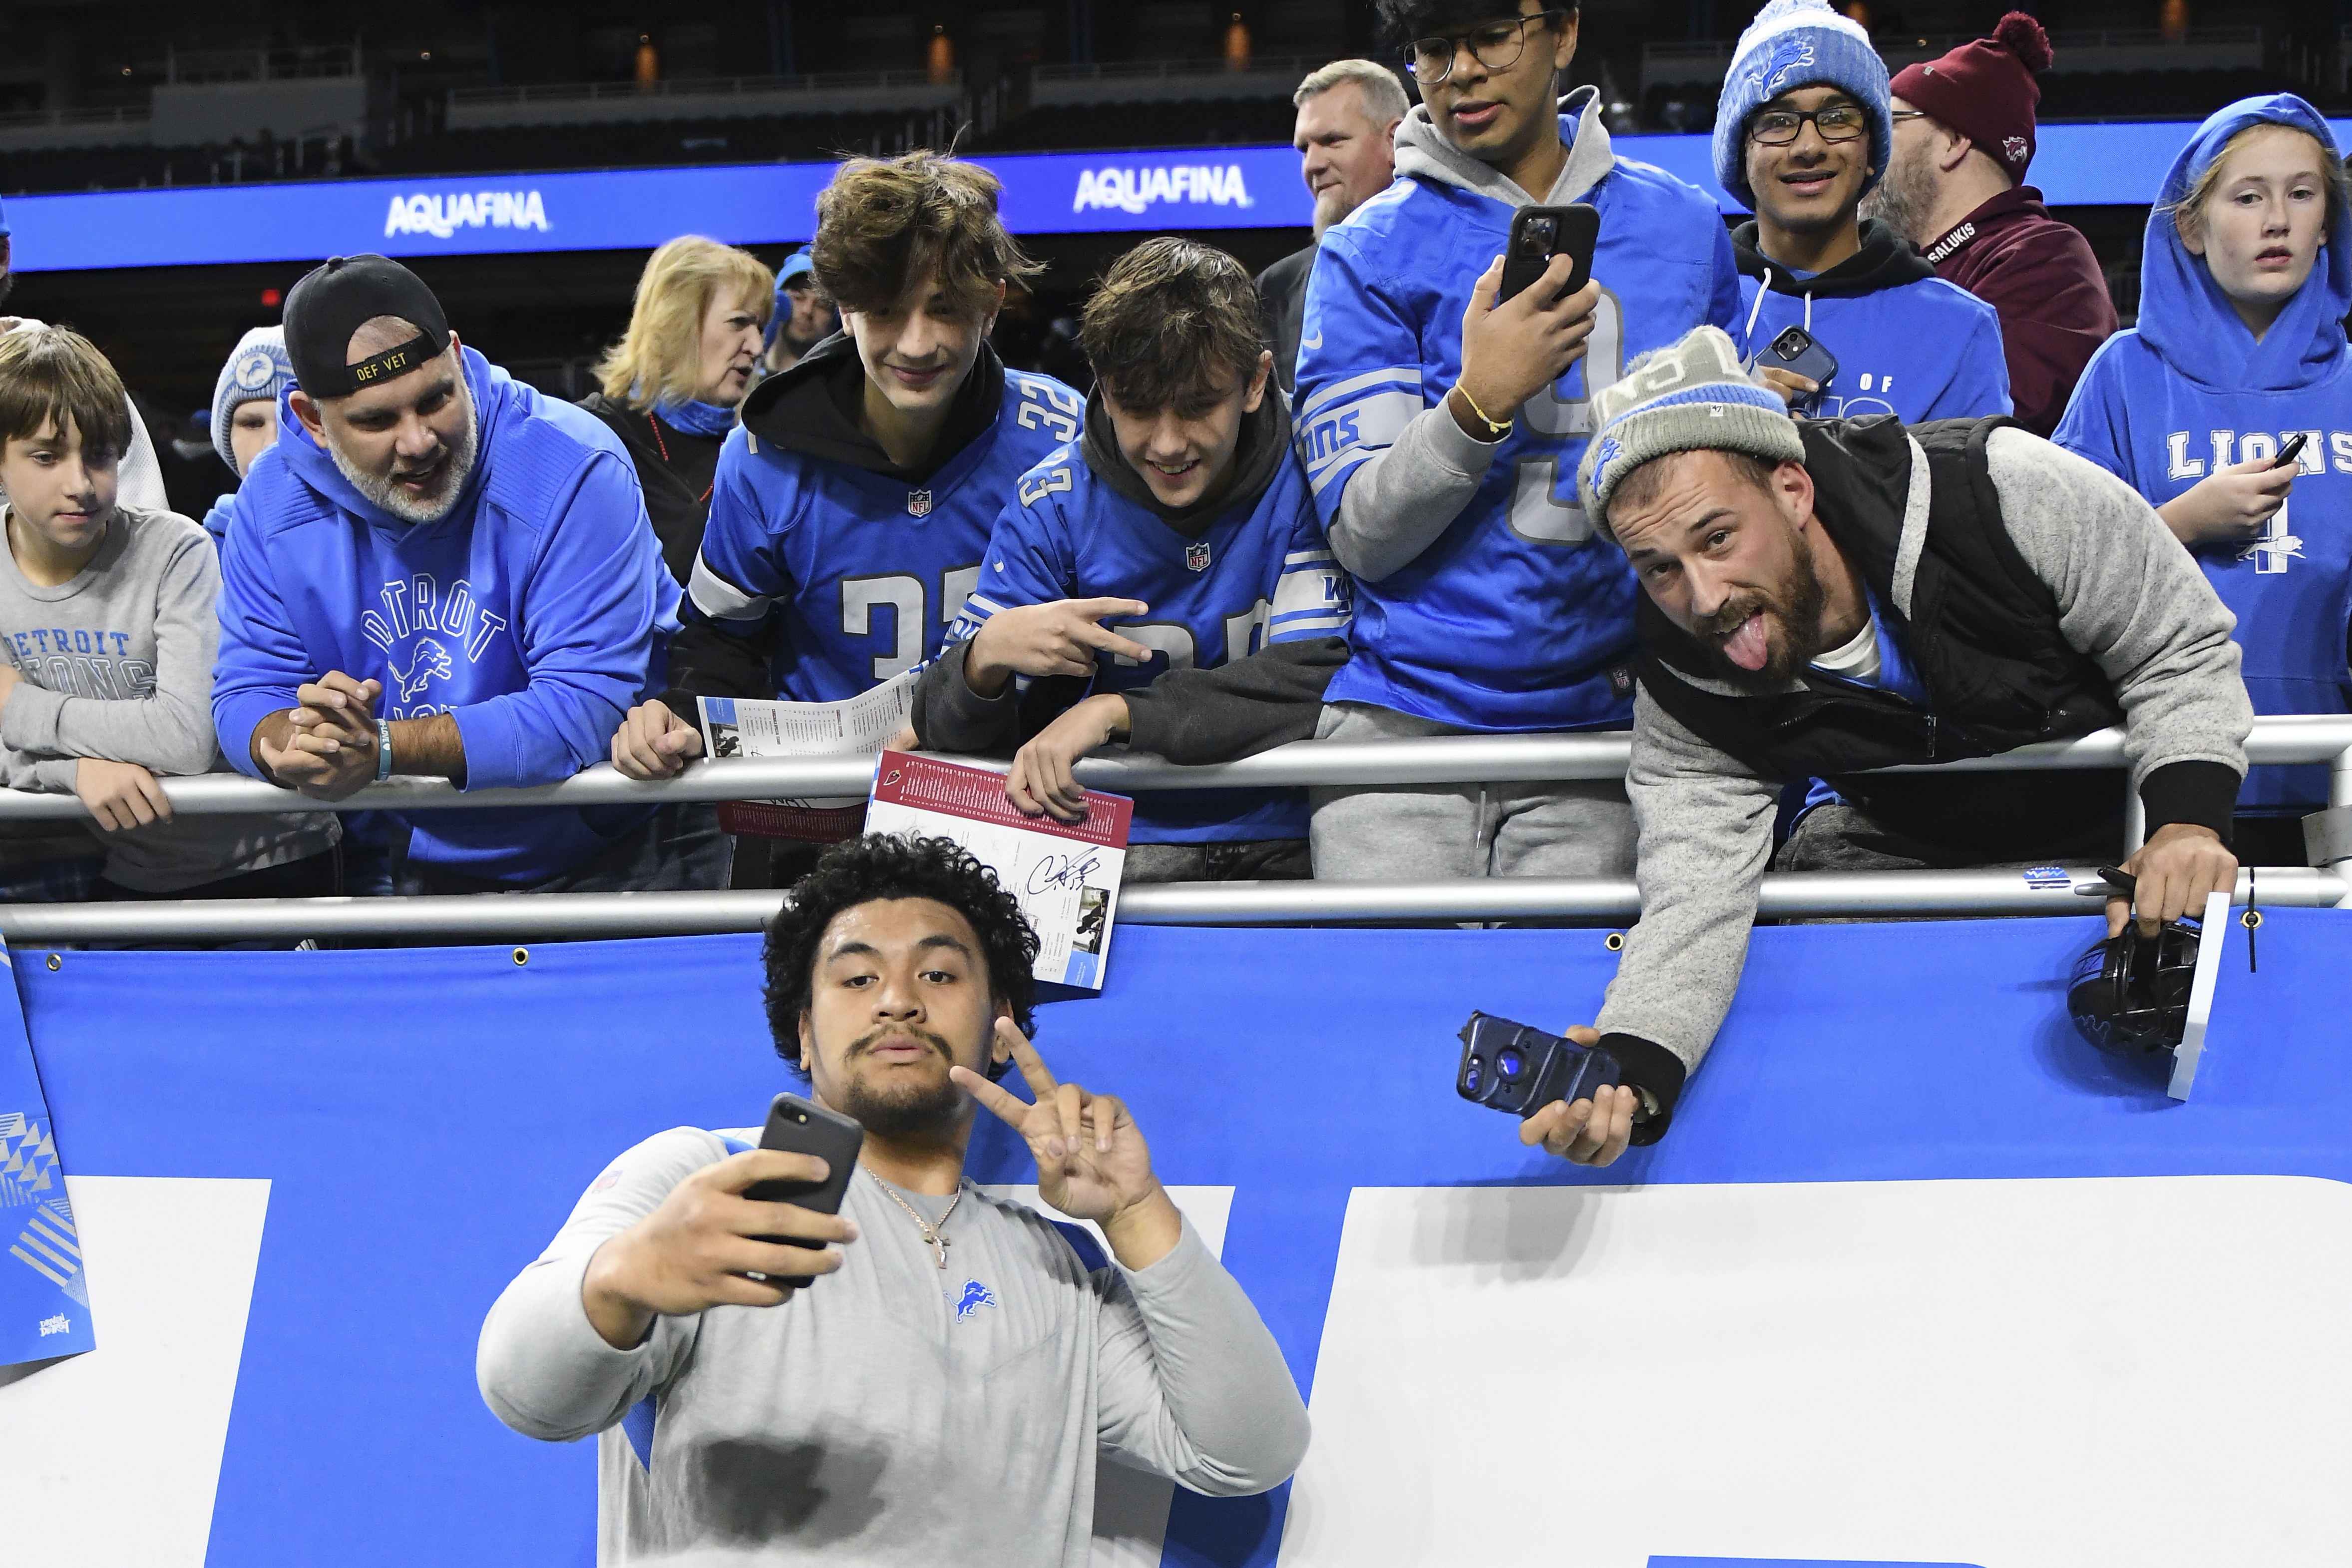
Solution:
(1500, 427)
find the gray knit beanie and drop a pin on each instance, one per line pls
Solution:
(1692, 395)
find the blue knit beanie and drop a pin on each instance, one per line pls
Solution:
(1793, 44)
(258, 370)
(1693, 395)
(797, 266)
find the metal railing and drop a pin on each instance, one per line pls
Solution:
(2283, 740)
(1579, 899)
(1445, 759)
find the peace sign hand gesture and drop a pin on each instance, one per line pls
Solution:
(1092, 1162)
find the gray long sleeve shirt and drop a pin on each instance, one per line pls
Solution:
(117, 664)
(893, 1412)
(2128, 596)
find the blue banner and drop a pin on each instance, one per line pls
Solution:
(1911, 1240)
(772, 204)
(44, 1297)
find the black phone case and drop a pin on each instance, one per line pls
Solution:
(1576, 229)
(799, 1126)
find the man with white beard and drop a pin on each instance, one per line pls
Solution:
(437, 571)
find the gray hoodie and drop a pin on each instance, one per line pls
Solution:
(1398, 500)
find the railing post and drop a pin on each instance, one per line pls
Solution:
(2134, 819)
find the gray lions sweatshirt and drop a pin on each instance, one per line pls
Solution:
(893, 1411)
(2128, 596)
(118, 663)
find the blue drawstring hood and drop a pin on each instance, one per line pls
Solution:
(2189, 393)
(2186, 317)
(534, 614)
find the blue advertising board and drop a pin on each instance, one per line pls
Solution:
(773, 203)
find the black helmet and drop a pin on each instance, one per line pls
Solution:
(2130, 993)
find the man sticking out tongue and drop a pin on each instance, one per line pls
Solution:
(1827, 598)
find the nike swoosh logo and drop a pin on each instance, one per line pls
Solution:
(1314, 342)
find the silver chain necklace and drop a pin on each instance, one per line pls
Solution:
(931, 1237)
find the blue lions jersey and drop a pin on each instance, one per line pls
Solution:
(1260, 575)
(1516, 617)
(866, 572)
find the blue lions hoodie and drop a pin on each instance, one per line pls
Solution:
(2188, 391)
(1516, 617)
(534, 614)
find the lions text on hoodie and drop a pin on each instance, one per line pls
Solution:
(2187, 392)
(1905, 342)
(534, 614)
(1515, 617)
(1248, 571)
(865, 562)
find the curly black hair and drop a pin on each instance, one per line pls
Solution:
(888, 866)
(1398, 22)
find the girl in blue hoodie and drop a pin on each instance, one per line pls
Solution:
(2245, 281)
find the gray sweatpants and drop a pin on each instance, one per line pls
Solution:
(1576, 827)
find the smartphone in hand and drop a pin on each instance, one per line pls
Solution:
(2292, 451)
(1519, 1068)
(801, 1126)
(1539, 234)
(1798, 353)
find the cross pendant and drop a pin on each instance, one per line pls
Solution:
(939, 1245)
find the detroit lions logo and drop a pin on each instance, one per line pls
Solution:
(429, 660)
(1788, 56)
(975, 1296)
(1611, 450)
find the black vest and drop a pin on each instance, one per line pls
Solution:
(1982, 636)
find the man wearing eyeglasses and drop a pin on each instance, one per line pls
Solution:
(1442, 431)
(1802, 134)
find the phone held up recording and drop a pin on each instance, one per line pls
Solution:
(1540, 234)
(1519, 1068)
(799, 1126)
(1798, 352)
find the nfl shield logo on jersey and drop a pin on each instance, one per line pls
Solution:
(1196, 556)
(918, 503)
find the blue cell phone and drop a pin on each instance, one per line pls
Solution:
(1798, 352)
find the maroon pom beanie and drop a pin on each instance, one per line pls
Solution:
(1985, 90)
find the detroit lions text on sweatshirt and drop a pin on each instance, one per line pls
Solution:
(534, 614)
(2188, 391)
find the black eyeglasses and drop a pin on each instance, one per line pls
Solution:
(1497, 46)
(1837, 122)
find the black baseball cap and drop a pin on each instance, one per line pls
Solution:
(333, 300)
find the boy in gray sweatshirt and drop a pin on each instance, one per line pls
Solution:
(107, 615)
(1826, 598)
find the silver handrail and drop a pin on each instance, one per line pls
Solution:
(1447, 759)
(1587, 899)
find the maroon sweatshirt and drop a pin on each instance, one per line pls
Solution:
(2039, 274)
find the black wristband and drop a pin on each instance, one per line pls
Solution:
(2200, 793)
(1655, 1070)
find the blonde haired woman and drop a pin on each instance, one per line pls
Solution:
(672, 384)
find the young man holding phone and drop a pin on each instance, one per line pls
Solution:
(1802, 137)
(950, 1379)
(1442, 431)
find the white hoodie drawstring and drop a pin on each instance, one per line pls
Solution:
(1809, 313)
(1757, 309)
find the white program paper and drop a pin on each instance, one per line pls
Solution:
(1065, 874)
(746, 727)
